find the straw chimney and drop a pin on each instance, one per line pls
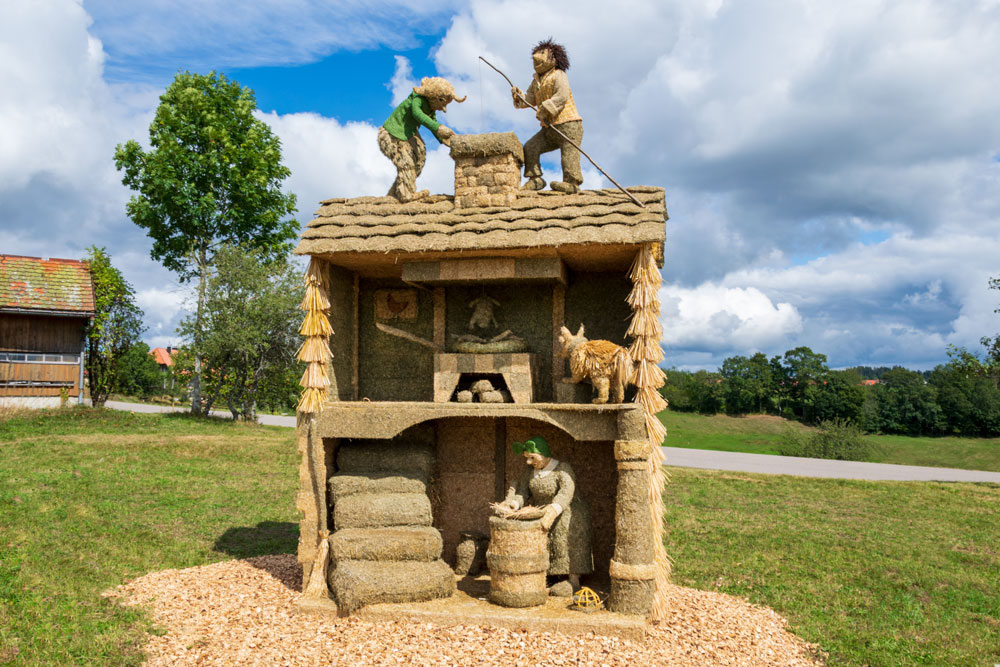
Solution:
(487, 169)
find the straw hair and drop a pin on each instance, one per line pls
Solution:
(315, 349)
(648, 377)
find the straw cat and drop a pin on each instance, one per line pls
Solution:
(606, 365)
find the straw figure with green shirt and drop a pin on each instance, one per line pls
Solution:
(551, 485)
(399, 137)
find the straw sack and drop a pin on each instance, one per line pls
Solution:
(356, 583)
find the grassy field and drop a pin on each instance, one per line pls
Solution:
(875, 573)
(757, 434)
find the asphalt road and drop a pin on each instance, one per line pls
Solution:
(733, 461)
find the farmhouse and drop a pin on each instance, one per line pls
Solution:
(446, 316)
(45, 305)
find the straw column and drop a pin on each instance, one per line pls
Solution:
(315, 350)
(646, 353)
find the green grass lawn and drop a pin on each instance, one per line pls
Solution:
(877, 573)
(757, 434)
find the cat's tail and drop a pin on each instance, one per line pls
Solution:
(622, 367)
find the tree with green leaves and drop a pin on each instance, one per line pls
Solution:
(249, 330)
(802, 368)
(211, 177)
(116, 326)
(138, 373)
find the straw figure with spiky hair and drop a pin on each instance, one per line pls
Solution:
(399, 137)
(550, 92)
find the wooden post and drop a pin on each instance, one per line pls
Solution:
(633, 571)
(558, 320)
(357, 337)
(439, 317)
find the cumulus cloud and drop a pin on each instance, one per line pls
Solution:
(198, 34)
(838, 159)
(709, 317)
(831, 170)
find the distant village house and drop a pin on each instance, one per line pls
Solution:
(45, 306)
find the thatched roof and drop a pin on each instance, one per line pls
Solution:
(434, 224)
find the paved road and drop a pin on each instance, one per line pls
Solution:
(803, 467)
(735, 461)
(269, 420)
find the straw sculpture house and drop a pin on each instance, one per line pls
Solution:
(401, 452)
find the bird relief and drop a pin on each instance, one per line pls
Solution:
(396, 304)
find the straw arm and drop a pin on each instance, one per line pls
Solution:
(571, 142)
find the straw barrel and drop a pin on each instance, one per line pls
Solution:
(518, 557)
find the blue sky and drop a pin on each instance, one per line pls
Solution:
(831, 170)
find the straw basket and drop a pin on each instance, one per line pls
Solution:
(518, 558)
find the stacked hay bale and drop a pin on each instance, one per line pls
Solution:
(384, 548)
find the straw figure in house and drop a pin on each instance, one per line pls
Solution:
(548, 486)
(550, 92)
(399, 137)
(607, 366)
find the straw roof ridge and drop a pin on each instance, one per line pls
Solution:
(382, 224)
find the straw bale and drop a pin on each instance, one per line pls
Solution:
(421, 543)
(373, 510)
(487, 145)
(374, 456)
(346, 484)
(356, 583)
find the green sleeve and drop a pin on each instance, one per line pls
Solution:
(426, 120)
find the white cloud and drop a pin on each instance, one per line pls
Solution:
(200, 34)
(402, 82)
(712, 317)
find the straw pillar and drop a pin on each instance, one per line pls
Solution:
(633, 571)
(646, 353)
(315, 350)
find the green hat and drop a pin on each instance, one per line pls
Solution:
(534, 445)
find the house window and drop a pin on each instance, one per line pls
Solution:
(33, 358)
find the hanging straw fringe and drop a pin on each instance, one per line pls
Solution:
(646, 349)
(315, 349)
(314, 299)
(648, 378)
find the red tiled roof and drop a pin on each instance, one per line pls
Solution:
(33, 283)
(162, 356)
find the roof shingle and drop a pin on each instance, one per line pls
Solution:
(33, 283)
(382, 224)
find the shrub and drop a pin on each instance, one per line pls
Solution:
(836, 439)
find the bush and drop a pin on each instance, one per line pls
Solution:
(836, 439)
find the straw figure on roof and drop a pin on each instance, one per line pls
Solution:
(399, 137)
(550, 92)
(550, 485)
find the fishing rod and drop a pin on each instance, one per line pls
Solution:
(571, 142)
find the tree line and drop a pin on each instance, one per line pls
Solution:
(960, 397)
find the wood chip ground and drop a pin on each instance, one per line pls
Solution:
(240, 612)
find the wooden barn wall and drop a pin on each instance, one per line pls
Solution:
(68, 373)
(391, 368)
(342, 341)
(33, 333)
(525, 309)
(597, 300)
